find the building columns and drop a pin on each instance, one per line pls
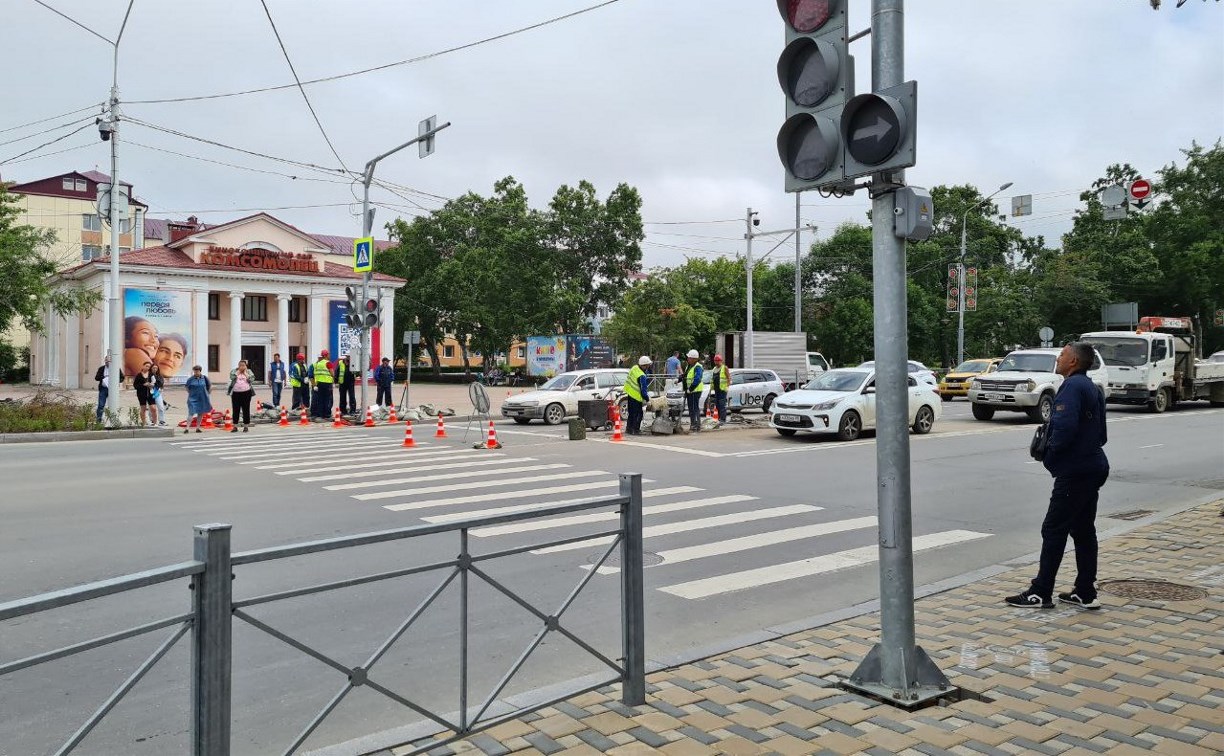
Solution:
(235, 325)
(386, 332)
(198, 354)
(318, 326)
(282, 327)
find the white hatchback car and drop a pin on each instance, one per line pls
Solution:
(843, 401)
(750, 389)
(558, 398)
(915, 368)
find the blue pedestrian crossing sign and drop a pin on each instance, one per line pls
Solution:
(363, 255)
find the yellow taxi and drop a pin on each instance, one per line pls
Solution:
(956, 381)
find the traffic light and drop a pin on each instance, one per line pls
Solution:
(878, 130)
(352, 314)
(816, 73)
(373, 313)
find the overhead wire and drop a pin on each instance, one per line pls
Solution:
(52, 118)
(47, 144)
(384, 66)
(90, 143)
(299, 163)
(235, 165)
(46, 131)
(77, 23)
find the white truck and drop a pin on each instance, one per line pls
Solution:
(785, 353)
(1158, 365)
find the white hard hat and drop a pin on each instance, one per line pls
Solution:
(644, 360)
(693, 354)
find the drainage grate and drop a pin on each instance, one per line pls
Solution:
(1134, 514)
(1152, 590)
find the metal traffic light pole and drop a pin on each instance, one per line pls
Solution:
(367, 226)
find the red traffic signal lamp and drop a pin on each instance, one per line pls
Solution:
(816, 74)
(373, 313)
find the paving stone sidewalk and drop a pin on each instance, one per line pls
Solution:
(1139, 676)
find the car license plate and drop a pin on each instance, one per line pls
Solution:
(993, 397)
(788, 418)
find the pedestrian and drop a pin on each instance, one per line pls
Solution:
(142, 383)
(240, 391)
(103, 379)
(1075, 458)
(322, 377)
(671, 368)
(637, 389)
(156, 384)
(344, 382)
(384, 375)
(719, 383)
(299, 381)
(276, 378)
(692, 389)
(198, 402)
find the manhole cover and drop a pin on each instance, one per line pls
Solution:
(649, 559)
(1153, 590)
(1134, 514)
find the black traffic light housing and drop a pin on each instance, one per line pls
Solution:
(352, 315)
(879, 130)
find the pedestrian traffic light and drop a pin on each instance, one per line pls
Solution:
(352, 313)
(878, 130)
(817, 76)
(373, 313)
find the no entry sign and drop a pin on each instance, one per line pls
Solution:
(1140, 189)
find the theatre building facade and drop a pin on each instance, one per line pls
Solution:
(243, 290)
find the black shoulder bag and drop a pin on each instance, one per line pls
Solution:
(1041, 438)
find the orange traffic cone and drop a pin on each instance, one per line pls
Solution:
(336, 421)
(284, 421)
(369, 423)
(229, 421)
(717, 419)
(408, 442)
(616, 430)
(208, 421)
(393, 419)
(441, 433)
(492, 443)
(304, 417)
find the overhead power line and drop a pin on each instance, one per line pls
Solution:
(72, 20)
(46, 131)
(236, 166)
(300, 163)
(47, 144)
(384, 66)
(52, 118)
(90, 143)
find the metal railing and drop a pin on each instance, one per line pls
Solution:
(213, 610)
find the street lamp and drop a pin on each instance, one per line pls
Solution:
(960, 270)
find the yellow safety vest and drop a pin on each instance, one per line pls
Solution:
(322, 373)
(296, 374)
(631, 387)
(690, 375)
(721, 379)
(340, 372)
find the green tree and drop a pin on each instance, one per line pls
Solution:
(28, 271)
(653, 319)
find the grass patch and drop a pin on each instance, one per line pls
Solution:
(46, 412)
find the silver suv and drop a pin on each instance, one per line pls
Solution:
(1026, 382)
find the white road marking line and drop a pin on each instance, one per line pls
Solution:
(685, 526)
(230, 441)
(805, 447)
(582, 519)
(362, 461)
(1151, 446)
(647, 494)
(480, 484)
(443, 476)
(664, 447)
(395, 468)
(509, 495)
(777, 573)
(267, 455)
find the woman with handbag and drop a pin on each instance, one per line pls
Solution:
(156, 383)
(142, 382)
(241, 392)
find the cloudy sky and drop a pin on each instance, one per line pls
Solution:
(676, 97)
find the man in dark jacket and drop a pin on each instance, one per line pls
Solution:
(383, 377)
(1074, 456)
(345, 381)
(103, 379)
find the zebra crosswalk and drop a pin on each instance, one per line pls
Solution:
(443, 483)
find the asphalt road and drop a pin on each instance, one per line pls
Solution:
(745, 530)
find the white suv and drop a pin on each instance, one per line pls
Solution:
(1026, 382)
(750, 389)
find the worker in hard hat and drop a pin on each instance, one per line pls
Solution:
(692, 389)
(321, 374)
(637, 389)
(299, 381)
(720, 380)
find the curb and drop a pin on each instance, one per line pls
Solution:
(95, 435)
(387, 739)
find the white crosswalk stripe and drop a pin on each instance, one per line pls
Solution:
(582, 519)
(482, 484)
(517, 494)
(443, 476)
(649, 493)
(324, 448)
(361, 461)
(388, 468)
(777, 573)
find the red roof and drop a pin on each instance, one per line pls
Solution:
(164, 257)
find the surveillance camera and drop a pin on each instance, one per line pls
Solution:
(898, 211)
(756, 221)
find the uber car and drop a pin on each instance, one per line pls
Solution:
(916, 369)
(750, 388)
(843, 401)
(558, 398)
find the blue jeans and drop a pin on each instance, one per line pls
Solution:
(694, 411)
(103, 393)
(276, 393)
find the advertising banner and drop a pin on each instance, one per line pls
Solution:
(342, 340)
(545, 355)
(586, 352)
(157, 328)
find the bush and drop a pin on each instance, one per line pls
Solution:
(45, 412)
(14, 365)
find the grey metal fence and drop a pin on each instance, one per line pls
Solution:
(213, 611)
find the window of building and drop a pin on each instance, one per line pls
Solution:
(294, 351)
(297, 310)
(90, 252)
(68, 184)
(448, 351)
(522, 353)
(80, 185)
(255, 308)
(214, 357)
(91, 223)
(125, 226)
(214, 306)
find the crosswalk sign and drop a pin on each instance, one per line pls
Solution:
(363, 255)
